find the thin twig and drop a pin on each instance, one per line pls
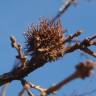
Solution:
(18, 47)
(62, 9)
(70, 37)
(26, 87)
(83, 46)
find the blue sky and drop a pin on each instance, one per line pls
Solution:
(16, 15)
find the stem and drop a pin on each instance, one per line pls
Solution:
(62, 83)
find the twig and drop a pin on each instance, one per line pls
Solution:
(70, 37)
(26, 87)
(83, 70)
(63, 8)
(83, 46)
(18, 47)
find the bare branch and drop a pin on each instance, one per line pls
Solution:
(18, 47)
(63, 8)
(37, 62)
(70, 37)
(83, 70)
(83, 46)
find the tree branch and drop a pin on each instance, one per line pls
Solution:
(63, 8)
(83, 70)
(19, 72)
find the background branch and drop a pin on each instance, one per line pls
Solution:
(62, 9)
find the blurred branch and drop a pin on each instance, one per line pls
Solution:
(3, 90)
(26, 87)
(63, 8)
(83, 70)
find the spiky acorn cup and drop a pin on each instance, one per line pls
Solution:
(45, 41)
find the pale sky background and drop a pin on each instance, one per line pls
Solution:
(16, 15)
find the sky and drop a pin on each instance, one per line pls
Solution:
(16, 15)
